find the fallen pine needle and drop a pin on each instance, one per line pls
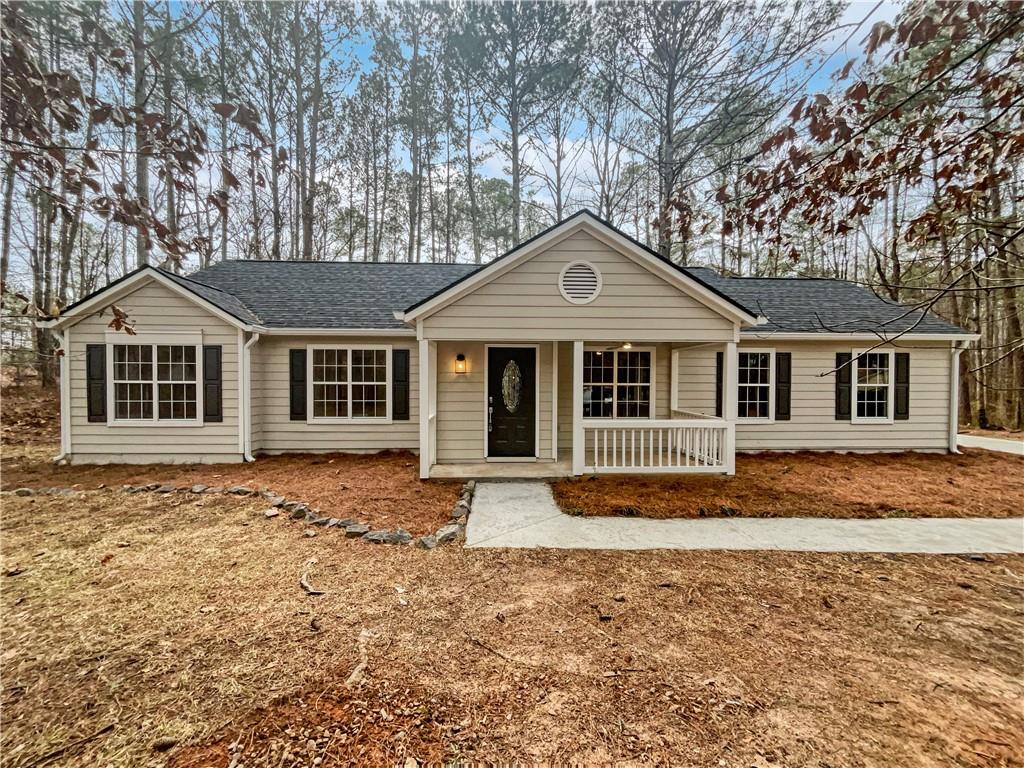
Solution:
(304, 579)
(357, 674)
(61, 750)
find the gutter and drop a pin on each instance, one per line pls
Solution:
(956, 348)
(246, 409)
(65, 395)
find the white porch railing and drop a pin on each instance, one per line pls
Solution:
(657, 445)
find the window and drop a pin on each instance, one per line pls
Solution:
(164, 391)
(350, 383)
(617, 384)
(755, 377)
(872, 383)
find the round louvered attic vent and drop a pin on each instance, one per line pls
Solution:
(580, 282)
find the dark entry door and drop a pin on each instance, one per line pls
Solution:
(511, 401)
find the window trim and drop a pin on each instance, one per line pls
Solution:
(855, 386)
(350, 419)
(154, 341)
(770, 418)
(615, 382)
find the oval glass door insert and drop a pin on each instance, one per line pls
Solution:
(511, 386)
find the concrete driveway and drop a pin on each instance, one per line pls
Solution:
(1003, 445)
(524, 514)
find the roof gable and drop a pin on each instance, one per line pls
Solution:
(604, 232)
(217, 302)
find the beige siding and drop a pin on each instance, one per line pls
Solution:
(525, 303)
(813, 425)
(461, 418)
(155, 309)
(274, 432)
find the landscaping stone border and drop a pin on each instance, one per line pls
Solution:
(45, 491)
(453, 530)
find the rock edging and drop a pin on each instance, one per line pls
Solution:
(453, 530)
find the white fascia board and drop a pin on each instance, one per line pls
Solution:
(112, 293)
(352, 332)
(831, 336)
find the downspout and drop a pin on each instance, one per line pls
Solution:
(65, 395)
(954, 394)
(247, 396)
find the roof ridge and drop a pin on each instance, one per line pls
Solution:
(234, 296)
(190, 279)
(344, 261)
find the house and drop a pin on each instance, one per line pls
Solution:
(580, 351)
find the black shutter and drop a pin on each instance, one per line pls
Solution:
(213, 384)
(901, 393)
(400, 385)
(718, 383)
(297, 384)
(96, 381)
(844, 376)
(783, 384)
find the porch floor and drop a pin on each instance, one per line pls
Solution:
(503, 470)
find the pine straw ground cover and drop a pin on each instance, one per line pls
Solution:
(977, 483)
(382, 490)
(140, 617)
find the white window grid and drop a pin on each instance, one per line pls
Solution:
(349, 383)
(623, 388)
(872, 386)
(755, 384)
(154, 382)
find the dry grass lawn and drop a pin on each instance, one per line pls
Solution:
(977, 483)
(133, 618)
(136, 617)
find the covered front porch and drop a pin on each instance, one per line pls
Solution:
(552, 409)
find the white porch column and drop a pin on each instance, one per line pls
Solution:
(730, 381)
(577, 408)
(954, 396)
(432, 390)
(554, 401)
(428, 405)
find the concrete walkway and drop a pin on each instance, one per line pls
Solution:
(524, 514)
(1003, 445)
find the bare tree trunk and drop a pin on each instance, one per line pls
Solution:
(141, 148)
(222, 46)
(5, 253)
(75, 219)
(517, 203)
(168, 94)
(314, 135)
(300, 122)
(474, 212)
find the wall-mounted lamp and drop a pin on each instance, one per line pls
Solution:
(460, 363)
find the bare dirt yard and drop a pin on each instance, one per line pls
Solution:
(136, 618)
(171, 630)
(977, 483)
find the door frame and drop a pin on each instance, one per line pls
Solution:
(536, 400)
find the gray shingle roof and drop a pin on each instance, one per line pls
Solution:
(364, 295)
(328, 294)
(821, 305)
(219, 298)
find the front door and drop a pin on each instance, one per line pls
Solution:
(511, 401)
